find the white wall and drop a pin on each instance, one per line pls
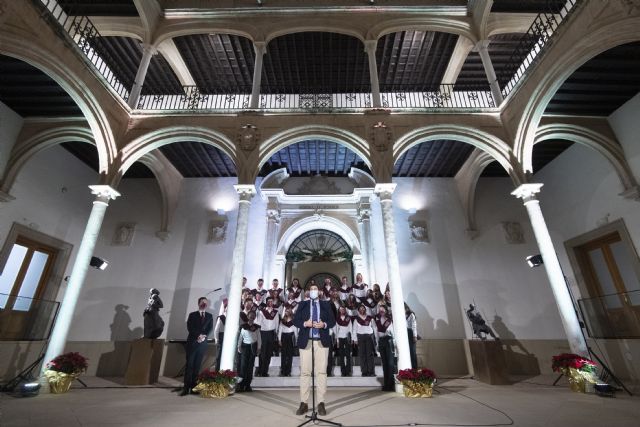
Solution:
(10, 125)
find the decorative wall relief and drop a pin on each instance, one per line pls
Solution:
(123, 235)
(217, 230)
(248, 137)
(381, 136)
(418, 231)
(513, 233)
(318, 184)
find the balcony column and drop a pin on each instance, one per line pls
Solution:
(384, 192)
(260, 49)
(370, 47)
(246, 193)
(481, 47)
(364, 228)
(134, 96)
(273, 223)
(58, 339)
(570, 322)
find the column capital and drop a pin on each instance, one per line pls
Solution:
(104, 193)
(260, 48)
(385, 190)
(245, 191)
(370, 46)
(481, 44)
(527, 192)
(149, 48)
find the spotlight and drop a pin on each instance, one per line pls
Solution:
(29, 389)
(534, 260)
(98, 263)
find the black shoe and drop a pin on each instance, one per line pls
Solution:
(248, 389)
(265, 375)
(321, 409)
(184, 392)
(302, 409)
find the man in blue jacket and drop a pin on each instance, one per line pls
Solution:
(314, 319)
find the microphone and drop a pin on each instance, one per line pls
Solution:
(215, 290)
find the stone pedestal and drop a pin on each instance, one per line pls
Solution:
(489, 362)
(144, 361)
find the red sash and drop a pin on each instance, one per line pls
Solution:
(364, 322)
(343, 322)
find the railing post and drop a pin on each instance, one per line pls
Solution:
(481, 47)
(370, 47)
(260, 49)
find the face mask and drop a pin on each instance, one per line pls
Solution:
(313, 294)
(203, 306)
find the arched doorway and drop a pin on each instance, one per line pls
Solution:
(318, 254)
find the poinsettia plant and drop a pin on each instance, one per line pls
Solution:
(569, 360)
(223, 376)
(69, 363)
(423, 375)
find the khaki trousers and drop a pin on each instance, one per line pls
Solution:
(320, 356)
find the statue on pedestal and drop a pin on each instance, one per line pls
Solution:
(480, 327)
(153, 323)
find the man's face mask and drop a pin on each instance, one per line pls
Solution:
(313, 294)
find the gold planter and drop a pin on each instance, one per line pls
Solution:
(212, 390)
(417, 389)
(59, 382)
(578, 380)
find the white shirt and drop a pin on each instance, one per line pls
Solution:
(268, 324)
(248, 337)
(363, 330)
(284, 329)
(388, 332)
(360, 293)
(344, 331)
(412, 324)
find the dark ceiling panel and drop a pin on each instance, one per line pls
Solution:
(31, 93)
(439, 158)
(219, 63)
(99, 7)
(413, 60)
(314, 62)
(314, 157)
(123, 56)
(601, 85)
(543, 154)
(198, 160)
(506, 53)
(88, 154)
(527, 6)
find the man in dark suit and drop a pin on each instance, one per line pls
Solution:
(199, 325)
(314, 319)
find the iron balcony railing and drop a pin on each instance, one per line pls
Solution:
(79, 30)
(533, 43)
(441, 96)
(613, 316)
(194, 98)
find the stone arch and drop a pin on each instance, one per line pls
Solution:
(290, 136)
(444, 25)
(23, 48)
(607, 147)
(142, 145)
(467, 181)
(592, 43)
(315, 28)
(25, 150)
(494, 146)
(198, 27)
(300, 227)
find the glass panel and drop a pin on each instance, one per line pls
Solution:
(625, 265)
(30, 282)
(604, 278)
(11, 270)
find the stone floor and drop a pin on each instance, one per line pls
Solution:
(530, 402)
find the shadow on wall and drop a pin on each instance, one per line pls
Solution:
(423, 318)
(114, 363)
(520, 362)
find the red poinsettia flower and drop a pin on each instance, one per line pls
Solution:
(423, 375)
(569, 360)
(69, 363)
(223, 376)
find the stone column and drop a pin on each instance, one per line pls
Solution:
(246, 193)
(384, 192)
(58, 339)
(489, 71)
(260, 49)
(273, 221)
(364, 227)
(370, 47)
(147, 52)
(570, 322)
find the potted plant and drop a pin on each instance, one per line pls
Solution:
(417, 382)
(579, 370)
(62, 370)
(217, 384)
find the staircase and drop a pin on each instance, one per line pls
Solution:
(356, 380)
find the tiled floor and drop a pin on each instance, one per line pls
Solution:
(458, 402)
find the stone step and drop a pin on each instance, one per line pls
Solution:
(276, 361)
(356, 380)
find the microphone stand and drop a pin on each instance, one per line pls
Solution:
(313, 418)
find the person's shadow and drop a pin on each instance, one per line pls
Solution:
(114, 363)
(520, 362)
